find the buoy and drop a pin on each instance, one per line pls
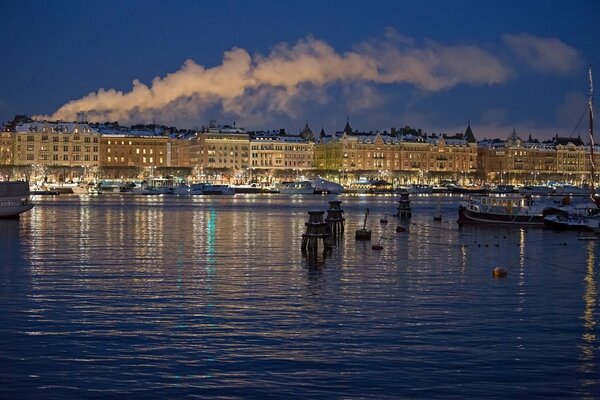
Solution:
(364, 233)
(400, 229)
(499, 272)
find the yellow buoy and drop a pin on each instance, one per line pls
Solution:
(499, 272)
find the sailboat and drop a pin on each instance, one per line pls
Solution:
(579, 216)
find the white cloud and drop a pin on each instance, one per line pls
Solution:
(543, 54)
(290, 77)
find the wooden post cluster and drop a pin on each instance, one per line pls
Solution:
(316, 228)
(404, 208)
(335, 218)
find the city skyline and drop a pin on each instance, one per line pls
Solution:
(428, 65)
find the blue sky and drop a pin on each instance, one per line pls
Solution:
(276, 64)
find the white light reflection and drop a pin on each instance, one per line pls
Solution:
(589, 344)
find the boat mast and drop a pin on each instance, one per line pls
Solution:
(591, 114)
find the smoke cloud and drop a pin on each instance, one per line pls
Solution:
(292, 75)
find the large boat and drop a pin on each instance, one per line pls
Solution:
(14, 199)
(324, 186)
(299, 187)
(510, 209)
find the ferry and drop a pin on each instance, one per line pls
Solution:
(502, 209)
(14, 199)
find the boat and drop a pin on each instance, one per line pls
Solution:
(217, 189)
(327, 187)
(203, 189)
(534, 190)
(14, 199)
(298, 187)
(253, 188)
(156, 186)
(507, 209)
(578, 216)
(116, 186)
(370, 186)
(571, 220)
(83, 188)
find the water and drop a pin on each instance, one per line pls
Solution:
(166, 297)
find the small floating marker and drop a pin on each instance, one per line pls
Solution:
(499, 272)
(400, 229)
(364, 233)
(384, 220)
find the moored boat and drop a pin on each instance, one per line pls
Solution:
(14, 199)
(324, 186)
(299, 187)
(203, 189)
(502, 209)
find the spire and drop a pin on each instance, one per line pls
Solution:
(306, 133)
(469, 137)
(348, 128)
(322, 133)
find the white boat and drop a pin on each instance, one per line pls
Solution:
(300, 187)
(508, 209)
(14, 199)
(203, 189)
(578, 216)
(83, 188)
(324, 186)
(157, 186)
(536, 190)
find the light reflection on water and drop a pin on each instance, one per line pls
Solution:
(211, 296)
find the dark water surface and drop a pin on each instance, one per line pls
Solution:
(166, 297)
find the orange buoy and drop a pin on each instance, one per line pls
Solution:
(400, 229)
(499, 272)
(377, 247)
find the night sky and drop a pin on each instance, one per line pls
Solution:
(277, 64)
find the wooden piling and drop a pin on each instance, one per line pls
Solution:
(316, 229)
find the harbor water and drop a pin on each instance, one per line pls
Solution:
(117, 296)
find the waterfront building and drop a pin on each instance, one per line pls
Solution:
(7, 140)
(133, 153)
(515, 161)
(217, 152)
(278, 151)
(407, 154)
(57, 151)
